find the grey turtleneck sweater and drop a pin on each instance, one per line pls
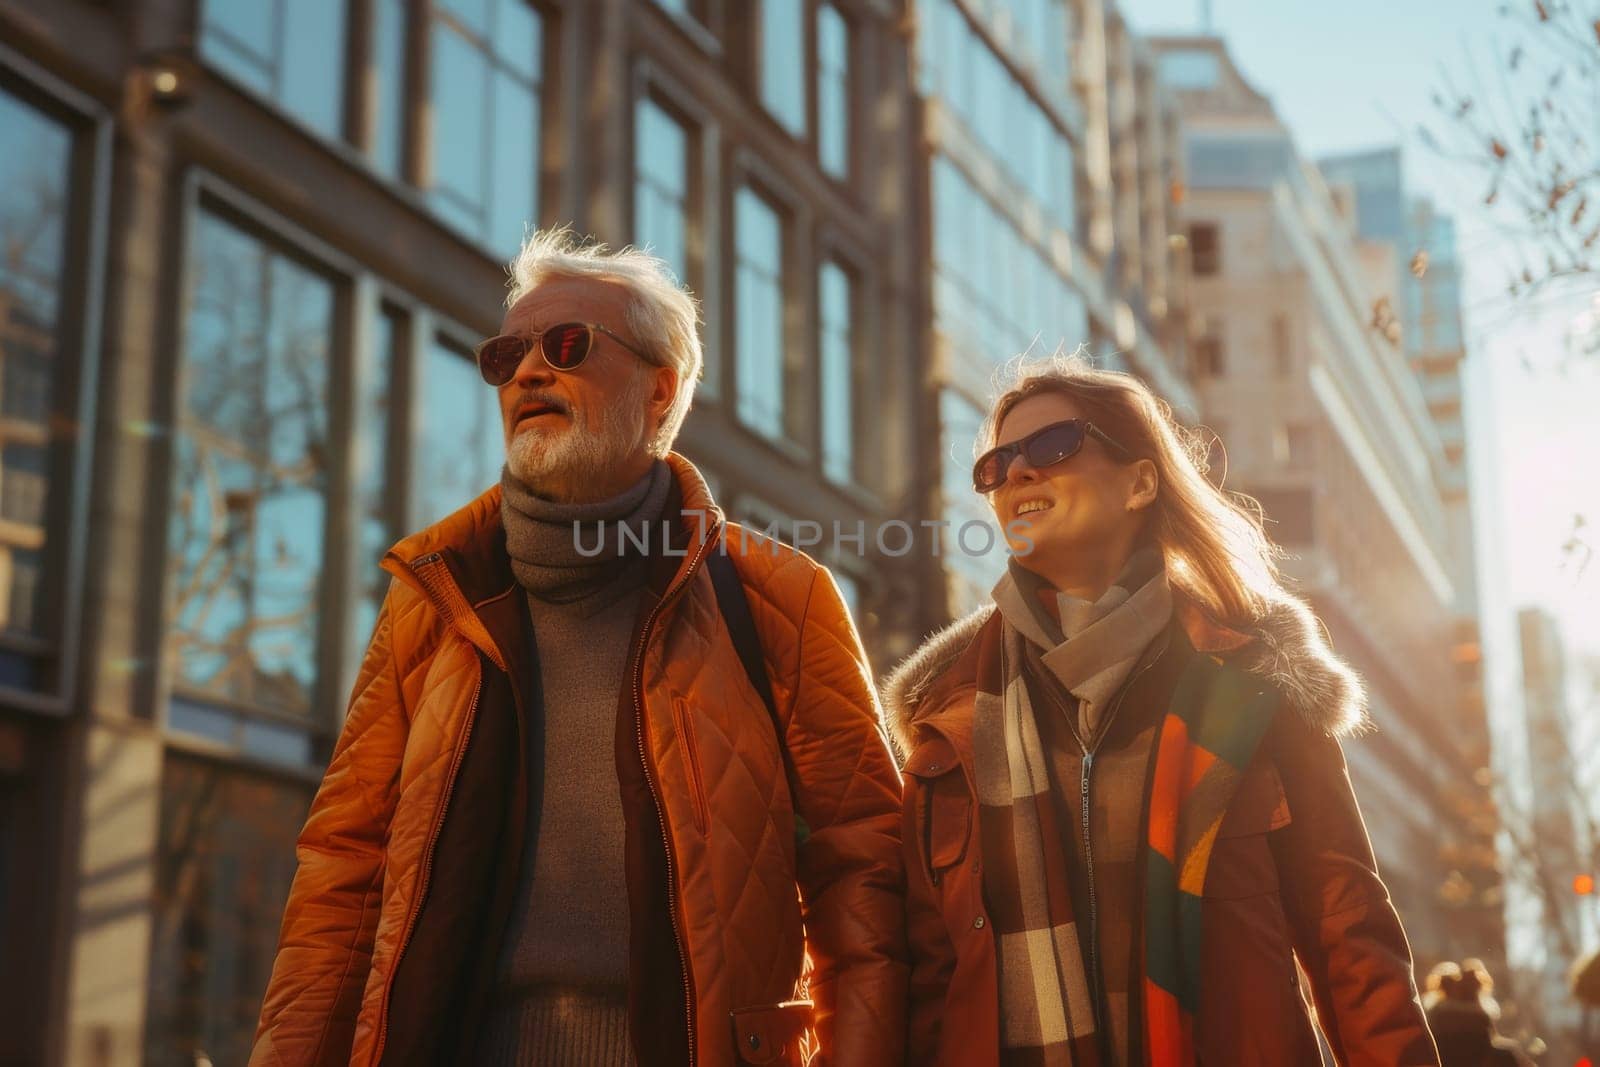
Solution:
(562, 994)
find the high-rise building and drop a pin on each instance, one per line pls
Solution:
(245, 249)
(1408, 254)
(1051, 168)
(1305, 378)
(1551, 846)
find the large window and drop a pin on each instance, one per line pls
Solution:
(833, 91)
(783, 62)
(463, 446)
(251, 478)
(377, 462)
(758, 306)
(486, 81)
(1210, 356)
(226, 859)
(321, 415)
(1205, 246)
(478, 115)
(661, 185)
(996, 294)
(42, 200)
(1017, 131)
(1189, 70)
(837, 344)
(290, 51)
(1282, 346)
(974, 552)
(34, 174)
(386, 65)
(1290, 515)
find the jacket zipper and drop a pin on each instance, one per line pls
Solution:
(1088, 843)
(644, 759)
(424, 878)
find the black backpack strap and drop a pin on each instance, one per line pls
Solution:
(735, 608)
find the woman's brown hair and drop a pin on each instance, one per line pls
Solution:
(1216, 551)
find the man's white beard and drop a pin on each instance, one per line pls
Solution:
(567, 463)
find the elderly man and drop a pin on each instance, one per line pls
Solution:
(612, 768)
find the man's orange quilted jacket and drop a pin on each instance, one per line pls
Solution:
(408, 859)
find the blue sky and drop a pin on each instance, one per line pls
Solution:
(1361, 73)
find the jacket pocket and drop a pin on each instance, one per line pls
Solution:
(682, 715)
(1242, 860)
(943, 806)
(772, 1033)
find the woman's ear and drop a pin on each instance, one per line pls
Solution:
(1146, 483)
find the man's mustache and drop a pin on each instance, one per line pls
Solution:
(532, 401)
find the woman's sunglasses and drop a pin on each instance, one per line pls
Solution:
(1041, 448)
(564, 346)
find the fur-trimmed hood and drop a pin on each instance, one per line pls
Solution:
(1287, 647)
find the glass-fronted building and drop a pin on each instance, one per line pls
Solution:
(1029, 252)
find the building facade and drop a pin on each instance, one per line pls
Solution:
(1050, 166)
(246, 250)
(1322, 420)
(1554, 845)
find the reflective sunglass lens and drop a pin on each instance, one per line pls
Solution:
(1054, 444)
(499, 357)
(990, 472)
(565, 345)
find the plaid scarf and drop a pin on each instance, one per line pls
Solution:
(1048, 1012)
(1048, 1016)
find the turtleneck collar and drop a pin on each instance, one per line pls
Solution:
(586, 554)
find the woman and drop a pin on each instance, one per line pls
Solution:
(1126, 813)
(1462, 1013)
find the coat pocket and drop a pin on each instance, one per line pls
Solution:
(943, 806)
(682, 716)
(1242, 861)
(772, 1033)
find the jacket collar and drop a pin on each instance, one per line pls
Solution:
(1287, 647)
(460, 562)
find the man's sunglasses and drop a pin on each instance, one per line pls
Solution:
(564, 346)
(1041, 448)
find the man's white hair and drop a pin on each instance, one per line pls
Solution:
(662, 316)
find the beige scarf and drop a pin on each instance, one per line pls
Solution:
(1097, 642)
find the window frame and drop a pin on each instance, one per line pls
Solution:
(837, 246)
(360, 292)
(808, 65)
(1211, 266)
(852, 90)
(1281, 331)
(854, 20)
(704, 21)
(422, 123)
(703, 224)
(78, 332)
(203, 192)
(749, 171)
(352, 80)
(1210, 351)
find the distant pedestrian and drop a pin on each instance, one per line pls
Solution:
(1462, 1012)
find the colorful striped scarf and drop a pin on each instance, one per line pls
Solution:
(1218, 715)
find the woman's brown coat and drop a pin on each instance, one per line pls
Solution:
(1292, 876)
